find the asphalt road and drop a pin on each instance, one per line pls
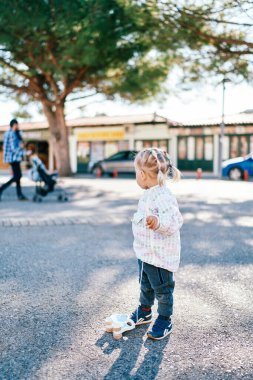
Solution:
(65, 267)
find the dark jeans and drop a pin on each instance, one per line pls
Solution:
(156, 283)
(17, 174)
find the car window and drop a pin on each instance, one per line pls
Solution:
(131, 155)
(118, 156)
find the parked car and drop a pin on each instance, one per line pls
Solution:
(235, 167)
(121, 162)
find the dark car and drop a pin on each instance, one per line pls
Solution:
(234, 169)
(121, 162)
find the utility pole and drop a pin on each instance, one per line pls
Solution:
(222, 126)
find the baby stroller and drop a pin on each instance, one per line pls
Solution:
(45, 183)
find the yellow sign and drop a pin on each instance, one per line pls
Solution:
(101, 135)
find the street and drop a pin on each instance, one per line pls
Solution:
(65, 267)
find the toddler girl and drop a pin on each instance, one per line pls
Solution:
(156, 226)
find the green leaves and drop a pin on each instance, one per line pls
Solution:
(118, 47)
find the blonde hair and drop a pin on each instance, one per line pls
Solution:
(156, 162)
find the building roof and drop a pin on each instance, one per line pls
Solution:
(99, 121)
(119, 120)
(242, 118)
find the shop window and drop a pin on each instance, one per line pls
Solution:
(163, 144)
(139, 145)
(111, 147)
(123, 145)
(208, 148)
(240, 146)
(191, 148)
(182, 149)
(83, 152)
(234, 147)
(97, 151)
(243, 146)
(147, 144)
(199, 148)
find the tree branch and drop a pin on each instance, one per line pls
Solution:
(228, 40)
(53, 58)
(188, 12)
(235, 52)
(15, 69)
(83, 97)
(14, 87)
(217, 39)
(223, 21)
(73, 85)
(48, 76)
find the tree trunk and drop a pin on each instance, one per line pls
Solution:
(59, 135)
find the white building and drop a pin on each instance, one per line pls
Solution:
(191, 145)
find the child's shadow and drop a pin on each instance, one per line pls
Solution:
(129, 353)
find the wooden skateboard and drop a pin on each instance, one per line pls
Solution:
(117, 324)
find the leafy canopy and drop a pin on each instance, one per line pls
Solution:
(50, 49)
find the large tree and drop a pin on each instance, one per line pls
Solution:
(54, 50)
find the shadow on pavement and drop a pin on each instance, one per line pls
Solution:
(130, 352)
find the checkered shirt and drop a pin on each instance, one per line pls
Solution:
(161, 247)
(12, 150)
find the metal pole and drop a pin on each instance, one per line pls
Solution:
(222, 128)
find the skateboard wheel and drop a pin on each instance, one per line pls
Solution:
(117, 335)
(116, 331)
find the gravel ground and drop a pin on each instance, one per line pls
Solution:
(59, 281)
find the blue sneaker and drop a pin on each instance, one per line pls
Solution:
(160, 329)
(140, 316)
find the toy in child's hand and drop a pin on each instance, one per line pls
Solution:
(152, 222)
(117, 324)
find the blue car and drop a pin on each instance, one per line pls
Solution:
(234, 168)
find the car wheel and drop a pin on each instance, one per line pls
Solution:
(235, 174)
(97, 171)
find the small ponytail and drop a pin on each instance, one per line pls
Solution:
(174, 173)
(160, 177)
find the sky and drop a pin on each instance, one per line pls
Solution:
(202, 102)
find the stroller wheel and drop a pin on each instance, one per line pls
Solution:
(37, 198)
(60, 198)
(66, 199)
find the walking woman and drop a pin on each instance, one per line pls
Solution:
(13, 155)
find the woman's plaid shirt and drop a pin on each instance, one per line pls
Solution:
(12, 150)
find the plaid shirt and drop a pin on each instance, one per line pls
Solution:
(161, 247)
(12, 150)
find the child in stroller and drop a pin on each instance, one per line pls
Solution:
(45, 183)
